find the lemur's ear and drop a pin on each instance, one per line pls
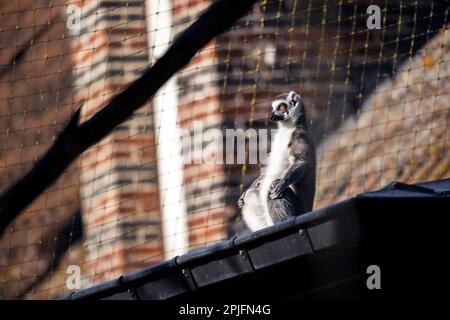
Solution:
(293, 98)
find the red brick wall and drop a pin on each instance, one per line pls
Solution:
(36, 98)
(119, 193)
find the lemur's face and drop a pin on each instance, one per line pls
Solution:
(286, 107)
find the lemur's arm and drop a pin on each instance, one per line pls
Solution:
(293, 174)
(295, 171)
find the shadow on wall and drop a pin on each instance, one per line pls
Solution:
(70, 233)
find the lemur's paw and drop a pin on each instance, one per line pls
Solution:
(276, 189)
(241, 201)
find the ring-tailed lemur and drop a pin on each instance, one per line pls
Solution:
(287, 186)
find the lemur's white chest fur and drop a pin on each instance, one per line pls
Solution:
(279, 161)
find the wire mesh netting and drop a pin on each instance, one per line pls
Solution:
(373, 75)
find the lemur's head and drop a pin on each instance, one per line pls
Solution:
(287, 107)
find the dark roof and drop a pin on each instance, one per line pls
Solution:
(324, 253)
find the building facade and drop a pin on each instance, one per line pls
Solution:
(133, 200)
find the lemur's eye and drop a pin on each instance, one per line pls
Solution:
(282, 107)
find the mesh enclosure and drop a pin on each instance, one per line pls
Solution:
(160, 183)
